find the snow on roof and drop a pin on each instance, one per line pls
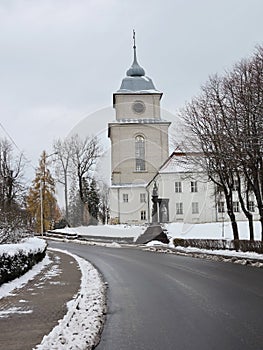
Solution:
(179, 162)
(142, 120)
(129, 185)
(137, 83)
(138, 91)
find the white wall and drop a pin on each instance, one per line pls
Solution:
(128, 212)
(205, 197)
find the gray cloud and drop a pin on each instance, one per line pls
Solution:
(61, 60)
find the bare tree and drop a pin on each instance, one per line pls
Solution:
(204, 117)
(85, 154)
(62, 149)
(12, 194)
(11, 172)
(227, 124)
(244, 95)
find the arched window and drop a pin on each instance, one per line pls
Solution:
(139, 153)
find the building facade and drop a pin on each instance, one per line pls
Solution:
(143, 173)
(191, 197)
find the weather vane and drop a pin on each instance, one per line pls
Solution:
(134, 45)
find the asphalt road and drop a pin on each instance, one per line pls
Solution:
(162, 302)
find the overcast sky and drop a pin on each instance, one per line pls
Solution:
(61, 60)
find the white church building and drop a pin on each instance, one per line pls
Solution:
(140, 163)
(139, 145)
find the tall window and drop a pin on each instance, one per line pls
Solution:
(195, 208)
(193, 186)
(178, 186)
(179, 208)
(139, 153)
(142, 197)
(221, 207)
(235, 185)
(125, 197)
(251, 206)
(143, 215)
(235, 207)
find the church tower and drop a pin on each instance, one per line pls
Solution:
(139, 145)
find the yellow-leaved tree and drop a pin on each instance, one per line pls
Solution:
(41, 201)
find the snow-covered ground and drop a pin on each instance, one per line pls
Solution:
(86, 310)
(216, 230)
(104, 230)
(7, 288)
(82, 324)
(27, 246)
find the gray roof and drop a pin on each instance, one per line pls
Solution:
(135, 80)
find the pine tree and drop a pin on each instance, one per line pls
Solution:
(104, 203)
(75, 206)
(41, 200)
(93, 202)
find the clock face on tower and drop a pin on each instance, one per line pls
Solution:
(138, 107)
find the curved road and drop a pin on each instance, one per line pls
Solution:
(169, 302)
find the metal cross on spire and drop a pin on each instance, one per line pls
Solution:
(136, 70)
(134, 44)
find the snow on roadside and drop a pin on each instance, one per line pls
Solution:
(104, 230)
(224, 252)
(243, 258)
(81, 326)
(27, 246)
(213, 230)
(7, 288)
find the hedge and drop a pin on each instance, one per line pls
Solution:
(13, 266)
(216, 244)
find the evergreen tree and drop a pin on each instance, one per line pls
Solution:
(41, 200)
(93, 202)
(75, 206)
(104, 204)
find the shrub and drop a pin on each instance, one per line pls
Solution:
(216, 244)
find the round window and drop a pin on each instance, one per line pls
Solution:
(138, 107)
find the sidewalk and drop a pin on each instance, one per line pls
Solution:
(33, 310)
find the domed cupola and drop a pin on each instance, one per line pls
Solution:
(136, 70)
(135, 80)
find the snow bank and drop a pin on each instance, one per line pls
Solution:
(16, 259)
(229, 253)
(7, 288)
(215, 230)
(81, 326)
(27, 246)
(104, 230)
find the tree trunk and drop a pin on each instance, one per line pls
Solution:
(66, 196)
(261, 222)
(260, 206)
(248, 215)
(251, 228)
(231, 215)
